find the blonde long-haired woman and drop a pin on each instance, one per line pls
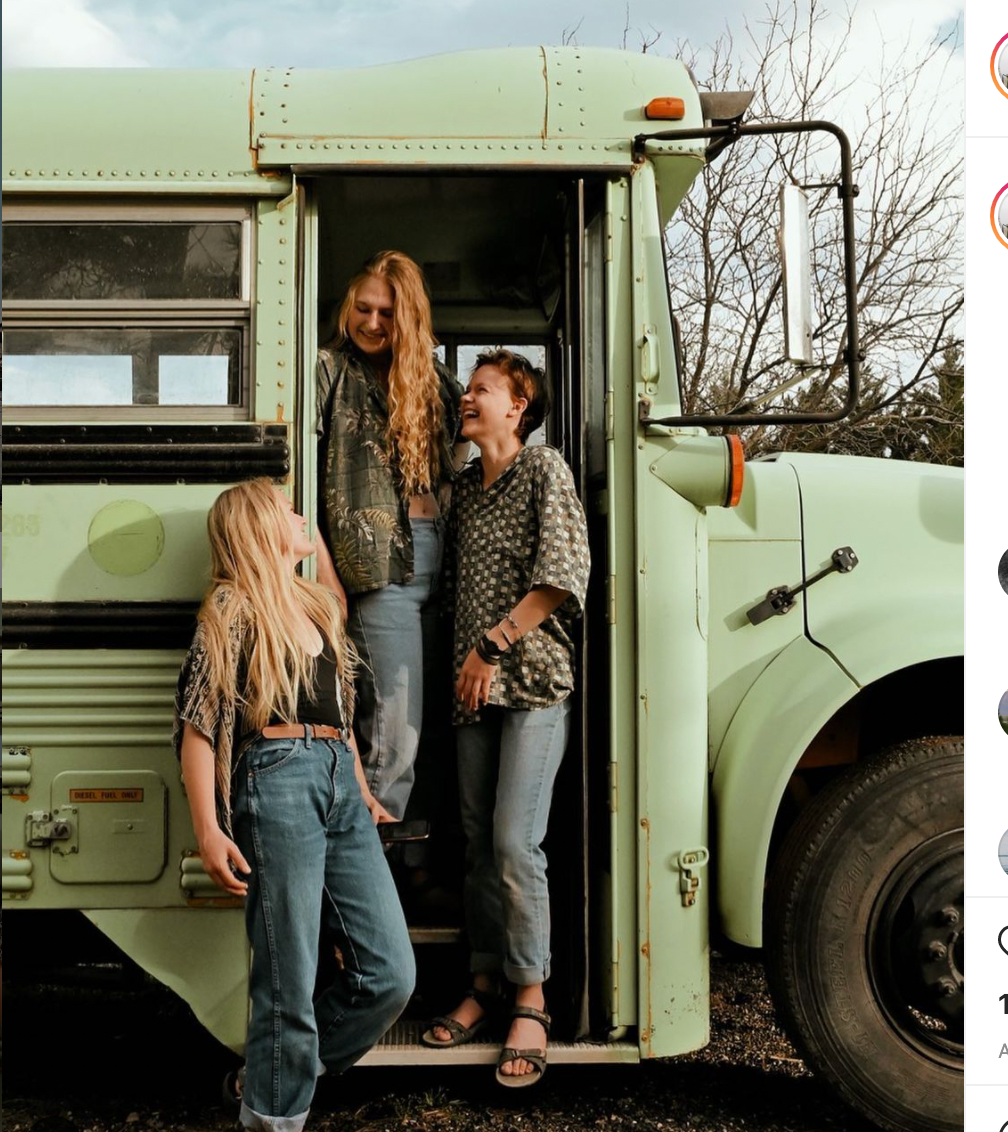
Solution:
(388, 415)
(280, 809)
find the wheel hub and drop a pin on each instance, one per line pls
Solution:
(937, 938)
(916, 944)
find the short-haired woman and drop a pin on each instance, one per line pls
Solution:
(519, 572)
(387, 420)
(280, 808)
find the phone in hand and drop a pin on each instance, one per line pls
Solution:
(392, 832)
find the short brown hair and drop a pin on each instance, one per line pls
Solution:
(526, 381)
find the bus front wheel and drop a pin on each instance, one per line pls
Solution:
(863, 938)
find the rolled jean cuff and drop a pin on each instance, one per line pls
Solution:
(526, 976)
(249, 1118)
(485, 963)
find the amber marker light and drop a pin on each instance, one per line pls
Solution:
(673, 108)
(736, 475)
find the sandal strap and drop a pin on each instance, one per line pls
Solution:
(489, 1001)
(453, 1026)
(539, 1016)
(536, 1057)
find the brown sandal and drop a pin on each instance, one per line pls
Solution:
(491, 1003)
(535, 1057)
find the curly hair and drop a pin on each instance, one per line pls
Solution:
(415, 411)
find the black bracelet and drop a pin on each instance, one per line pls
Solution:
(491, 646)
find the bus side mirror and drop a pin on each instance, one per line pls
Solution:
(796, 267)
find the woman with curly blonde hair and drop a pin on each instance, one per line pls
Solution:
(387, 421)
(281, 811)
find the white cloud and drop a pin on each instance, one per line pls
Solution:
(61, 33)
(341, 33)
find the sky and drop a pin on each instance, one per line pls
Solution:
(338, 33)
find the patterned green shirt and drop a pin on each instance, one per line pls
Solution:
(364, 514)
(527, 529)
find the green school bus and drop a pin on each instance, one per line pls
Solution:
(768, 727)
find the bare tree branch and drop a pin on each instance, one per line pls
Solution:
(724, 273)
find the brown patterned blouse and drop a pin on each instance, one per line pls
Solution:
(526, 529)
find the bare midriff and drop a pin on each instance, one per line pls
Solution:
(424, 506)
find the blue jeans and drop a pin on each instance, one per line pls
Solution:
(394, 629)
(317, 863)
(507, 764)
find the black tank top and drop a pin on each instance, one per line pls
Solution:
(326, 708)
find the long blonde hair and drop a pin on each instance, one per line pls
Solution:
(416, 414)
(256, 597)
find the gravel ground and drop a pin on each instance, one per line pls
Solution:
(101, 1060)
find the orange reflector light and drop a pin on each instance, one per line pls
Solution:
(736, 476)
(665, 108)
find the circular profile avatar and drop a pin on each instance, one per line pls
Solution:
(1003, 712)
(1003, 851)
(1003, 571)
(999, 213)
(999, 65)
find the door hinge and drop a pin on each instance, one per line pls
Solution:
(689, 862)
(611, 599)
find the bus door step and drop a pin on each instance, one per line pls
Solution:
(435, 935)
(402, 1046)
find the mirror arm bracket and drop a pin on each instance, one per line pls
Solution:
(846, 190)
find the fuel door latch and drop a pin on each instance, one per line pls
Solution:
(57, 829)
(781, 599)
(689, 862)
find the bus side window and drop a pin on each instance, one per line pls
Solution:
(146, 316)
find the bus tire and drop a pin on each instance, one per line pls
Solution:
(864, 934)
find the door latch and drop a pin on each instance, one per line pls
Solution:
(43, 828)
(781, 599)
(689, 862)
